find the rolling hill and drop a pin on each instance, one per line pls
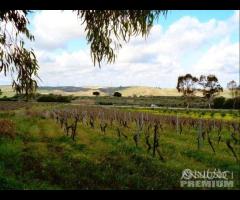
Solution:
(106, 91)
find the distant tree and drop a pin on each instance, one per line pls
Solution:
(117, 94)
(187, 86)
(96, 93)
(236, 98)
(238, 91)
(232, 86)
(0, 92)
(210, 87)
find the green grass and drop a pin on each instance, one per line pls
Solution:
(43, 157)
(227, 115)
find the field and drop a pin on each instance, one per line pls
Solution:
(66, 146)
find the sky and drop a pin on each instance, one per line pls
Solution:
(197, 42)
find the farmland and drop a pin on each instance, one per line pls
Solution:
(65, 146)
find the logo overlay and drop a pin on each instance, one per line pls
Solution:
(206, 179)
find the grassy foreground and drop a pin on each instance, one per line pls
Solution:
(39, 155)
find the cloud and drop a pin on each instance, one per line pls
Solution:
(221, 59)
(53, 28)
(187, 45)
(156, 61)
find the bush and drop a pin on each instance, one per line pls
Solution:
(5, 98)
(218, 102)
(16, 97)
(96, 93)
(105, 103)
(54, 98)
(223, 114)
(212, 114)
(221, 102)
(228, 104)
(237, 103)
(117, 94)
(7, 128)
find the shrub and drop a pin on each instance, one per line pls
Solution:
(54, 98)
(218, 102)
(16, 97)
(228, 104)
(7, 128)
(232, 103)
(5, 98)
(237, 102)
(223, 114)
(117, 94)
(212, 114)
(96, 93)
(105, 103)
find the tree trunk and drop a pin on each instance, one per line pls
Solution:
(209, 103)
(234, 102)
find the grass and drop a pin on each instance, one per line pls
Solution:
(43, 157)
(226, 115)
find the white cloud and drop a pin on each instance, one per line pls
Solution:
(221, 59)
(156, 61)
(54, 28)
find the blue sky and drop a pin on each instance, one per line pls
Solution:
(202, 15)
(197, 42)
(173, 15)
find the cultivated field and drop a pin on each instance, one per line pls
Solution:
(63, 146)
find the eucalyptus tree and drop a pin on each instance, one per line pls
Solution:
(232, 86)
(15, 58)
(234, 89)
(187, 86)
(210, 87)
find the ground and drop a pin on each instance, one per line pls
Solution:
(40, 155)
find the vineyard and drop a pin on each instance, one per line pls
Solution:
(119, 99)
(84, 147)
(146, 127)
